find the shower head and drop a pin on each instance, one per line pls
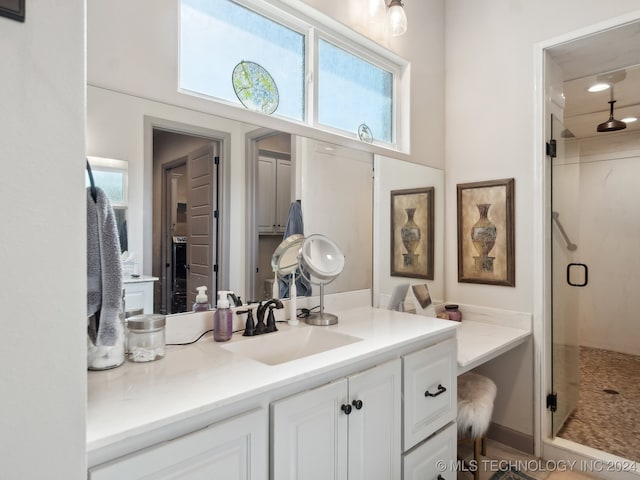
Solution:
(612, 124)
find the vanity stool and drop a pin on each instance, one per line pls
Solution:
(476, 394)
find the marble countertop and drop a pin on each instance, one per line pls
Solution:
(137, 398)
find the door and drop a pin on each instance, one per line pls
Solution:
(235, 449)
(201, 222)
(568, 274)
(374, 423)
(309, 435)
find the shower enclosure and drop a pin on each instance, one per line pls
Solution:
(595, 233)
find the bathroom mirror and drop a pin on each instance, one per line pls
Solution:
(285, 259)
(145, 133)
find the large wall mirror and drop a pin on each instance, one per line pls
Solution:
(261, 173)
(136, 113)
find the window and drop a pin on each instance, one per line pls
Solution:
(326, 75)
(216, 35)
(112, 176)
(352, 91)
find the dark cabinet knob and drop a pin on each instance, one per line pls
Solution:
(357, 404)
(440, 391)
(440, 477)
(346, 409)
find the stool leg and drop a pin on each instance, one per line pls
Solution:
(476, 457)
(484, 445)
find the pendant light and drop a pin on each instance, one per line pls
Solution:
(397, 18)
(612, 124)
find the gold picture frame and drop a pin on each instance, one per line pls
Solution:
(486, 232)
(412, 235)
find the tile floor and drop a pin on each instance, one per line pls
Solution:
(500, 456)
(606, 417)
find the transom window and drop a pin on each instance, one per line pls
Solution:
(298, 68)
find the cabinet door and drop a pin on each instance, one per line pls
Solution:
(374, 427)
(430, 391)
(435, 459)
(266, 194)
(234, 449)
(283, 194)
(139, 295)
(309, 435)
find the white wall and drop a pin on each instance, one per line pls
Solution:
(43, 246)
(490, 99)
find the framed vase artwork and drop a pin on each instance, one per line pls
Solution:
(12, 9)
(486, 237)
(412, 233)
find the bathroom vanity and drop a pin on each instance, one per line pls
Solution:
(138, 292)
(371, 397)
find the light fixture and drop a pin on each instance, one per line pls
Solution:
(599, 87)
(611, 125)
(629, 119)
(397, 18)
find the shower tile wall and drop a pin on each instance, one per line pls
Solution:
(608, 242)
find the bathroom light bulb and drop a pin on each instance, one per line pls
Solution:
(599, 87)
(397, 18)
(629, 119)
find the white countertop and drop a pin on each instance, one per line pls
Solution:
(137, 398)
(479, 342)
(138, 279)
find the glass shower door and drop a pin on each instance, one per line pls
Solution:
(568, 274)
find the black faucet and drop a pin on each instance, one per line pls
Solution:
(271, 323)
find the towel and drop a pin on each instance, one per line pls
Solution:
(294, 226)
(104, 270)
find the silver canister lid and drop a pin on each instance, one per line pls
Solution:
(146, 322)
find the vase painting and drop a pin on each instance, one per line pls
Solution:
(412, 245)
(410, 233)
(483, 236)
(486, 233)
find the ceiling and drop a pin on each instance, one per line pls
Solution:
(610, 56)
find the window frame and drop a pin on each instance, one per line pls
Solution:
(314, 25)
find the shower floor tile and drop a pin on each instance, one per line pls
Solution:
(606, 417)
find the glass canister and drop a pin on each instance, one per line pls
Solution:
(103, 357)
(452, 312)
(146, 340)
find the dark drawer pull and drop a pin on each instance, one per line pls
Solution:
(440, 477)
(440, 391)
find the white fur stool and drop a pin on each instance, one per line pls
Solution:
(476, 394)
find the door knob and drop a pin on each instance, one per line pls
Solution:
(346, 409)
(357, 404)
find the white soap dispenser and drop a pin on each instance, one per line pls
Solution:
(202, 301)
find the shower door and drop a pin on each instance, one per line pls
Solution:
(567, 273)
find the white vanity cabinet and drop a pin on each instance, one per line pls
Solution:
(349, 428)
(234, 449)
(138, 293)
(274, 193)
(434, 459)
(430, 403)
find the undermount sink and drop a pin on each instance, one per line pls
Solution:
(280, 347)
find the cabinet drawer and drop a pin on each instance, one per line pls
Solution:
(435, 459)
(430, 391)
(233, 449)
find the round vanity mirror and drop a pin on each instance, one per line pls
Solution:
(320, 257)
(285, 259)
